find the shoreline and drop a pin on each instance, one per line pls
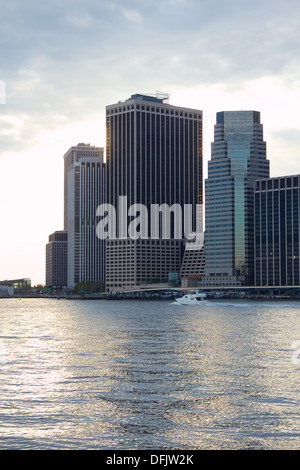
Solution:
(152, 298)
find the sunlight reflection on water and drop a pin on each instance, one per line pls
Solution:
(148, 375)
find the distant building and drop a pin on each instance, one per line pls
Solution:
(277, 231)
(6, 290)
(153, 156)
(17, 285)
(238, 158)
(57, 260)
(83, 193)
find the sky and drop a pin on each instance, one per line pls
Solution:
(63, 61)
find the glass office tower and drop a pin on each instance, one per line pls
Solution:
(238, 157)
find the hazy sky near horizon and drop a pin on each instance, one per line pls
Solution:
(63, 61)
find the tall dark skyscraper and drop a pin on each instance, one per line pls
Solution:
(238, 157)
(57, 260)
(153, 156)
(277, 231)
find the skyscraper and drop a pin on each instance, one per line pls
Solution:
(83, 192)
(57, 260)
(238, 157)
(153, 156)
(277, 231)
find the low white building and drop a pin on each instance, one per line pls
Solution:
(6, 291)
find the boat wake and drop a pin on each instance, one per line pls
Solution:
(242, 305)
(253, 304)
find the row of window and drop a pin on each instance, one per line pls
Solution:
(282, 183)
(152, 109)
(143, 242)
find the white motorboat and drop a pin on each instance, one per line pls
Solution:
(193, 298)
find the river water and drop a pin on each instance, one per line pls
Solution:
(149, 375)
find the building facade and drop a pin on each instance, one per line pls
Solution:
(193, 267)
(84, 192)
(238, 158)
(131, 263)
(57, 260)
(277, 231)
(153, 156)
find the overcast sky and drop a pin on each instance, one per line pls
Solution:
(63, 61)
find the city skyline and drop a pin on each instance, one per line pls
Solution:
(62, 66)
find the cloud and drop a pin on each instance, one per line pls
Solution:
(2, 92)
(285, 151)
(62, 52)
(79, 20)
(215, 43)
(71, 59)
(133, 16)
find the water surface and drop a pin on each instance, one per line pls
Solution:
(149, 375)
